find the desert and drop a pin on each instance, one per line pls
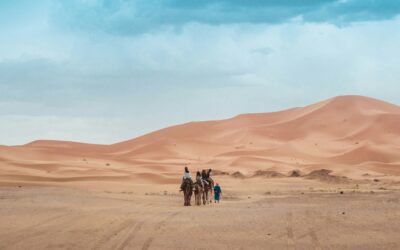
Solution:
(323, 176)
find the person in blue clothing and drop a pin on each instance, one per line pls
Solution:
(217, 193)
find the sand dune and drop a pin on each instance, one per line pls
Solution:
(337, 134)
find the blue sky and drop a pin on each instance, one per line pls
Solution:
(102, 71)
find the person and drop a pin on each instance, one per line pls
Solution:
(209, 179)
(204, 176)
(186, 175)
(199, 179)
(217, 193)
(209, 174)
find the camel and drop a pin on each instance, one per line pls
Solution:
(187, 191)
(198, 193)
(208, 188)
(211, 188)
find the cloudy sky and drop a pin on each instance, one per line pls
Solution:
(103, 71)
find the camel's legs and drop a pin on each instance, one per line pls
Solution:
(196, 198)
(185, 196)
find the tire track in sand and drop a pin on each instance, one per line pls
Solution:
(314, 239)
(36, 230)
(311, 232)
(33, 226)
(289, 231)
(159, 226)
(103, 241)
(135, 228)
(131, 235)
(147, 243)
(47, 226)
(113, 234)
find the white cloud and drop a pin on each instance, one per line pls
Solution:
(102, 88)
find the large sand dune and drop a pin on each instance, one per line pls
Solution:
(351, 135)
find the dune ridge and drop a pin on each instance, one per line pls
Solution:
(345, 134)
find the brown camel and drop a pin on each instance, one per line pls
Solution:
(211, 188)
(198, 193)
(187, 191)
(208, 187)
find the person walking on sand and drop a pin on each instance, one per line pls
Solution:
(186, 175)
(217, 193)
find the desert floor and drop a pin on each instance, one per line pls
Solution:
(255, 213)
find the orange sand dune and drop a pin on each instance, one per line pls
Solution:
(347, 134)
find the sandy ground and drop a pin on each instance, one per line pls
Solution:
(284, 213)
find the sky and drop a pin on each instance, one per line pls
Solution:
(104, 71)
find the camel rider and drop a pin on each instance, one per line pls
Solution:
(209, 174)
(199, 179)
(186, 175)
(204, 176)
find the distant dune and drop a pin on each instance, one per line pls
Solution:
(349, 135)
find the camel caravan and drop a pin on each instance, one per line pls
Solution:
(203, 188)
